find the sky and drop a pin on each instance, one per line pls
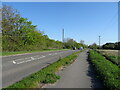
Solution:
(80, 20)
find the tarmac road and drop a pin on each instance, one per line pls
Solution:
(15, 67)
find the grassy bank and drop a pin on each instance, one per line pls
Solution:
(22, 52)
(45, 75)
(108, 72)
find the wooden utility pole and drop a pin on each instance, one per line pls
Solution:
(99, 41)
(63, 35)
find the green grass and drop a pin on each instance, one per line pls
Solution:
(22, 52)
(115, 59)
(108, 72)
(45, 75)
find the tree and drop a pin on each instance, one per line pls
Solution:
(10, 18)
(111, 46)
(94, 46)
(69, 43)
(20, 35)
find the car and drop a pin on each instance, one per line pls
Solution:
(74, 48)
(81, 48)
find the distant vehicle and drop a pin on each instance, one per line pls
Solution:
(74, 48)
(81, 48)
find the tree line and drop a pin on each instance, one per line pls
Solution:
(114, 46)
(18, 34)
(70, 43)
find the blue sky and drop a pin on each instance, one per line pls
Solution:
(81, 21)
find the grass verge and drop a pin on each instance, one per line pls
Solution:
(22, 52)
(108, 72)
(45, 75)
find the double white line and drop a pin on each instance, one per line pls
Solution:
(31, 59)
(19, 61)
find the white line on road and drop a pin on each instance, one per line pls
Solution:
(20, 62)
(43, 56)
(54, 54)
(14, 62)
(30, 59)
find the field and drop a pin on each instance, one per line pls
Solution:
(110, 52)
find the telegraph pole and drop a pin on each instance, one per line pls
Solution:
(62, 42)
(99, 41)
(63, 35)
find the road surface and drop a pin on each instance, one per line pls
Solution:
(14, 68)
(78, 75)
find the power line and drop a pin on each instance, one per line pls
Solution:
(111, 21)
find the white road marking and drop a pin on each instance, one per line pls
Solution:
(54, 54)
(20, 62)
(43, 56)
(14, 62)
(30, 59)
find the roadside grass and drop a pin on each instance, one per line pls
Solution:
(45, 75)
(108, 72)
(23, 52)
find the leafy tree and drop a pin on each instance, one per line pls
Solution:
(94, 46)
(10, 18)
(70, 43)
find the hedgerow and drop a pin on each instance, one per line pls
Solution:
(108, 72)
